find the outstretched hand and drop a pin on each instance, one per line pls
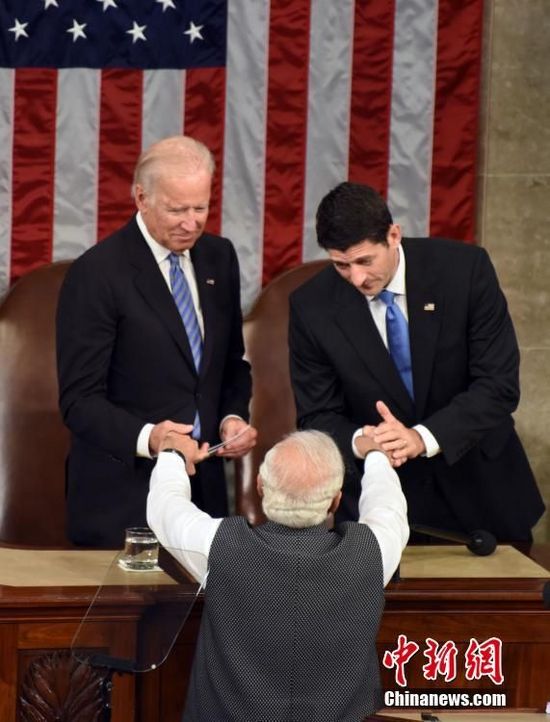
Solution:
(188, 447)
(398, 441)
(365, 443)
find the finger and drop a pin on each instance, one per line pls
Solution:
(202, 452)
(238, 448)
(387, 436)
(242, 437)
(394, 445)
(368, 431)
(232, 427)
(392, 423)
(182, 428)
(384, 411)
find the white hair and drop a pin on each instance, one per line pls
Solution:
(300, 477)
(179, 155)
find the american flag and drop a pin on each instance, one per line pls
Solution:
(292, 96)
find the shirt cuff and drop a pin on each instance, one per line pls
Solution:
(359, 432)
(375, 459)
(169, 460)
(430, 442)
(142, 447)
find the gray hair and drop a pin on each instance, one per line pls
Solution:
(300, 476)
(179, 155)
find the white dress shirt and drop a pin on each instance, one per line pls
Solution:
(161, 255)
(187, 532)
(377, 308)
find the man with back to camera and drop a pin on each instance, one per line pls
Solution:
(436, 387)
(292, 607)
(149, 338)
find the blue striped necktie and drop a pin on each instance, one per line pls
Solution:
(184, 302)
(397, 330)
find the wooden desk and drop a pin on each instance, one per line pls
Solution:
(36, 622)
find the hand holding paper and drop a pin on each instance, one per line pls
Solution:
(238, 438)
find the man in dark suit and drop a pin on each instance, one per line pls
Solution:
(292, 607)
(134, 360)
(441, 403)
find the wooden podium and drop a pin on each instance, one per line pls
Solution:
(44, 595)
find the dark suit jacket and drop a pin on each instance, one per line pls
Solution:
(124, 360)
(465, 363)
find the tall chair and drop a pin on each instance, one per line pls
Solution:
(272, 411)
(33, 439)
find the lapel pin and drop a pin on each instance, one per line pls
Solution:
(210, 281)
(429, 307)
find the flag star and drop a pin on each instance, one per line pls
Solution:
(108, 4)
(19, 29)
(166, 4)
(77, 30)
(137, 32)
(194, 32)
(50, 3)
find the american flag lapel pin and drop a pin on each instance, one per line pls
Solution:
(210, 281)
(429, 307)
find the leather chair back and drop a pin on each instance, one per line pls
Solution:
(272, 411)
(33, 440)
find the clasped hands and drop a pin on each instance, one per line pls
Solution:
(394, 438)
(172, 435)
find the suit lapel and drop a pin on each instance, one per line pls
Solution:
(353, 316)
(425, 308)
(150, 283)
(206, 275)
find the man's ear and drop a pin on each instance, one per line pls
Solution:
(140, 198)
(394, 235)
(335, 503)
(259, 486)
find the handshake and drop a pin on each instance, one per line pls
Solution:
(238, 438)
(396, 440)
(182, 442)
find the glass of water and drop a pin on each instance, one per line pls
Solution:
(141, 549)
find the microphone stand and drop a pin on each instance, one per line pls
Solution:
(110, 665)
(479, 542)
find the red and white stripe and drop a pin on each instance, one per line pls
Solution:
(382, 92)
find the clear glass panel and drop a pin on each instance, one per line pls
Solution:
(155, 602)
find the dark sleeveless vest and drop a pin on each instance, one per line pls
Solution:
(289, 625)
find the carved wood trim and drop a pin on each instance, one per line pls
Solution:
(59, 688)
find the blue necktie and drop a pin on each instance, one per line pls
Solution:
(184, 302)
(397, 330)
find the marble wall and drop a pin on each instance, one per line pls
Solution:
(514, 202)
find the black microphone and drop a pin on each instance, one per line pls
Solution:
(479, 542)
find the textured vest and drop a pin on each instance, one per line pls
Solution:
(289, 626)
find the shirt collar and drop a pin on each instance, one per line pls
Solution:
(159, 252)
(397, 283)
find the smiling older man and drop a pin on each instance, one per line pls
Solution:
(149, 338)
